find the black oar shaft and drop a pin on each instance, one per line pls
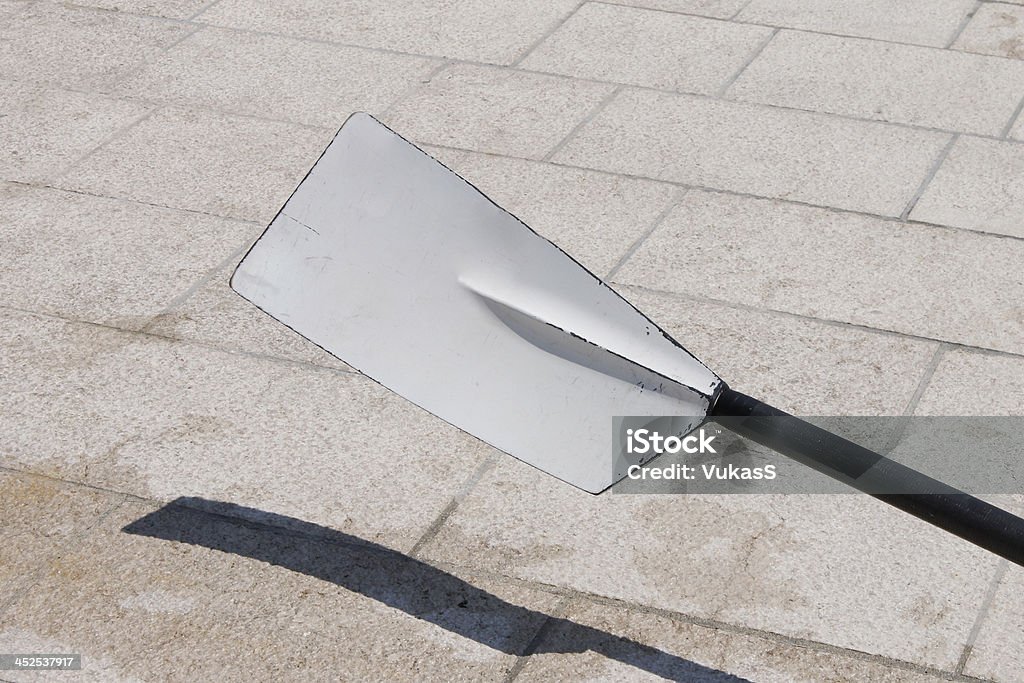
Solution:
(944, 506)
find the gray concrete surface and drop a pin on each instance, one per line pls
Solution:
(188, 491)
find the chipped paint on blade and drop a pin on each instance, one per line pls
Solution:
(399, 267)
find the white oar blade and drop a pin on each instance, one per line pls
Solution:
(394, 264)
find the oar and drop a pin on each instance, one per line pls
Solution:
(396, 265)
(944, 506)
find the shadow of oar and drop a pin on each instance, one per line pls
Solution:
(401, 582)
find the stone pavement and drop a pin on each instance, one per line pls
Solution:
(191, 492)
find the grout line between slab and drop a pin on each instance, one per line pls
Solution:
(127, 200)
(658, 220)
(903, 422)
(76, 5)
(171, 46)
(755, 53)
(740, 11)
(110, 87)
(416, 87)
(557, 612)
(467, 486)
(939, 160)
(743, 22)
(963, 24)
(193, 342)
(598, 108)
(823, 113)
(205, 279)
(159, 103)
(773, 636)
(824, 321)
(547, 34)
(926, 379)
(979, 621)
(195, 106)
(1013, 119)
(117, 134)
(661, 10)
(80, 484)
(202, 10)
(986, 605)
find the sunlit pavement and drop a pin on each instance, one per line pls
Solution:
(822, 200)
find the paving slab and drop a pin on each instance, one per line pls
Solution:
(997, 653)
(162, 419)
(924, 22)
(58, 44)
(802, 156)
(995, 29)
(596, 217)
(721, 9)
(173, 9)
(467, 29)
(970, 382)
(679, 651)
(41, 517)
(202, 160)
(183, 595)
(45, 130)
(869, 79)
(104, 260)
(779, 358)
(980, 186)
(487, 109)
(649, 48)
(11, 6)
(838, 266)
(845, 570)
(275, 77)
